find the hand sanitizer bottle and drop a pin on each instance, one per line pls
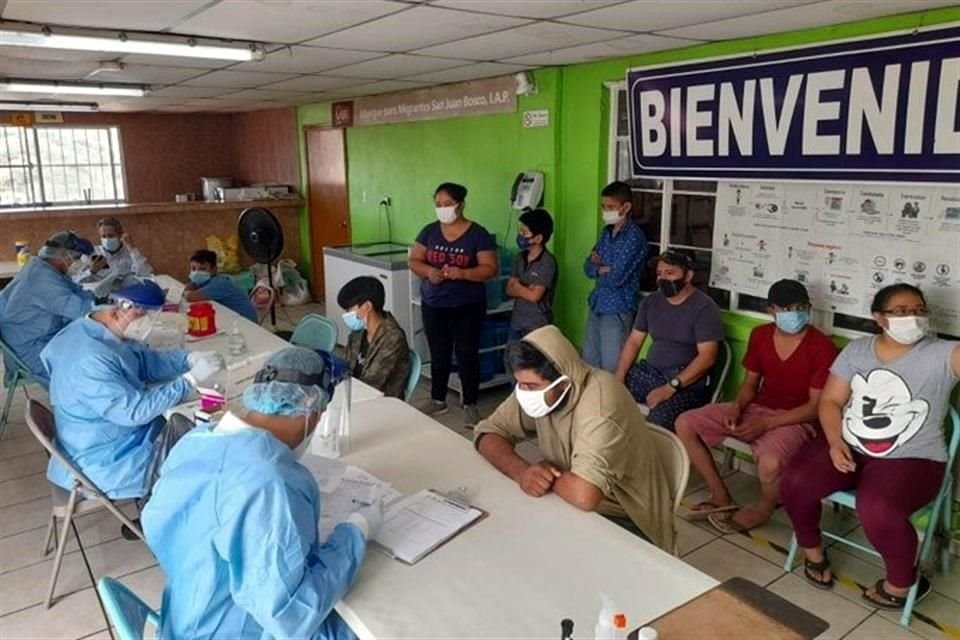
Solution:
(236, 343)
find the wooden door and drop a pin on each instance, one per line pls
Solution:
(329, 202)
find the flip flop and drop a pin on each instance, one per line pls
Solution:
(819, 567)
(702, 510)
(725, 524)
(886, 600)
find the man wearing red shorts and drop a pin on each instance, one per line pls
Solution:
(775, 411)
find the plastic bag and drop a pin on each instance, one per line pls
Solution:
(295, 290)
(228, 260)
(263, 295)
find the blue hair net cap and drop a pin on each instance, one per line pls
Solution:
(146, 295)
(275, 395)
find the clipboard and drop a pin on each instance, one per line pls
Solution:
(416, 526)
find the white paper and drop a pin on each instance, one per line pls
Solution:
(344, 490)
(421, 522)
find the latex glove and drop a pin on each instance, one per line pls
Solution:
(104, 287)
(203, 364)
(368, 519)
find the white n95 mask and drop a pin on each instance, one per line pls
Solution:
(611, 216)
(534, 403)
(907, 329)
(447, 215)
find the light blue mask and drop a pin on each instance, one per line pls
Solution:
(354, 322)
(110, 244)
(792, 321)
(200, 278)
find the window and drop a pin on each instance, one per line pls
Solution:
(675, 214)
(41, 166)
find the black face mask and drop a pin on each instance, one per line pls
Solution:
(670, 288)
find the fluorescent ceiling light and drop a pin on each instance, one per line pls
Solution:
(123, 43)
(24, 86)
(9, 105)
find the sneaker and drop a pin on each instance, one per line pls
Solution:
(471, 416)
(433, 407)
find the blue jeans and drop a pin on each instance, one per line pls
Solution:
(606, 334)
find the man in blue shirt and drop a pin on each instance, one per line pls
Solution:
(207, 284)
(615, 263)
(42, 299)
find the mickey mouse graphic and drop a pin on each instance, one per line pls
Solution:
(882, 414)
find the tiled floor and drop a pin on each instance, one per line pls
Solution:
(24, 572)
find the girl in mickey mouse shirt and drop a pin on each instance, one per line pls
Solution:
(882, 412)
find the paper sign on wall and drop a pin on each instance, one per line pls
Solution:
(844, 242)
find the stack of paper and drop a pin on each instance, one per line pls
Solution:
(345, 489)
(418, 524)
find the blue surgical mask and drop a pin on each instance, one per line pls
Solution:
(354, 322)
(792, 321)
(523, 242)
(200, 277)
(110, 244)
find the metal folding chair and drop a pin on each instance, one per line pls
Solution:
(83, 498)
(128, 613)
(931, 521)
(16, 374)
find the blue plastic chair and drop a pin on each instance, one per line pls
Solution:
(937, 514)
(128, 613)
(16, 374)
(315, 332)
(416, 364)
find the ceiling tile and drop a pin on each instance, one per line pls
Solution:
(469, 72)
(640, 15)
(13, 67)
(143, 16)
(237, 79)
(299, 59)
(398, 66)
(533, 38)
(262, 94)
(182, 92)
(314, 83)
(135, 104)
(630, 45)
(144, 74)
(286, 21)
(384, 86)
(415, 28)
(172, 61)
(526, 8)
(803, 17)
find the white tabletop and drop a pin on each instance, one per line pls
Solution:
(9, 269)
(517, 573)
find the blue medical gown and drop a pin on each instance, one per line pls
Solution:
(109, 396)
(233, 522)
(39, 302)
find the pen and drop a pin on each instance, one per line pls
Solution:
(360, 502)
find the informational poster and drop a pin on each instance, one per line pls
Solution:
(843, 241)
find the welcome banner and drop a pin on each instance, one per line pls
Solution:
(874, 109)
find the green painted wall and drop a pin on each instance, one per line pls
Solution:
(406, 161)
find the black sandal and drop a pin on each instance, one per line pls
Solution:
(820, 567)
(886, 600)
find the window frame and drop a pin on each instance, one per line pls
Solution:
(825, 319)
(116, 168)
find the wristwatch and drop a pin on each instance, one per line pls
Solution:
(675, 383)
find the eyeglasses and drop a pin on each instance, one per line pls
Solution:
(902, 312)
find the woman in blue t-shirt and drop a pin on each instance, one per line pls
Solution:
(453, 257)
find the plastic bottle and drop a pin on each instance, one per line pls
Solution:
(236, 343)
(611, 623)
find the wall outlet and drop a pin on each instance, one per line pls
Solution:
(386, 201)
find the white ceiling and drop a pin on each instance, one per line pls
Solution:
(333, 49)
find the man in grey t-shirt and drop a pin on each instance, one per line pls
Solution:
(686, 328)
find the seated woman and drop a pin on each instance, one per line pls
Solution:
(882, 412)
(377, 350)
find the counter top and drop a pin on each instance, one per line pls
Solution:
(141, 208)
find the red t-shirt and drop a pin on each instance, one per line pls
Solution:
(786, 384)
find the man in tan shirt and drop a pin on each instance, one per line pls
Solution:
(598, 454)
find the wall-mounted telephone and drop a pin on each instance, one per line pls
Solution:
(527, 191)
